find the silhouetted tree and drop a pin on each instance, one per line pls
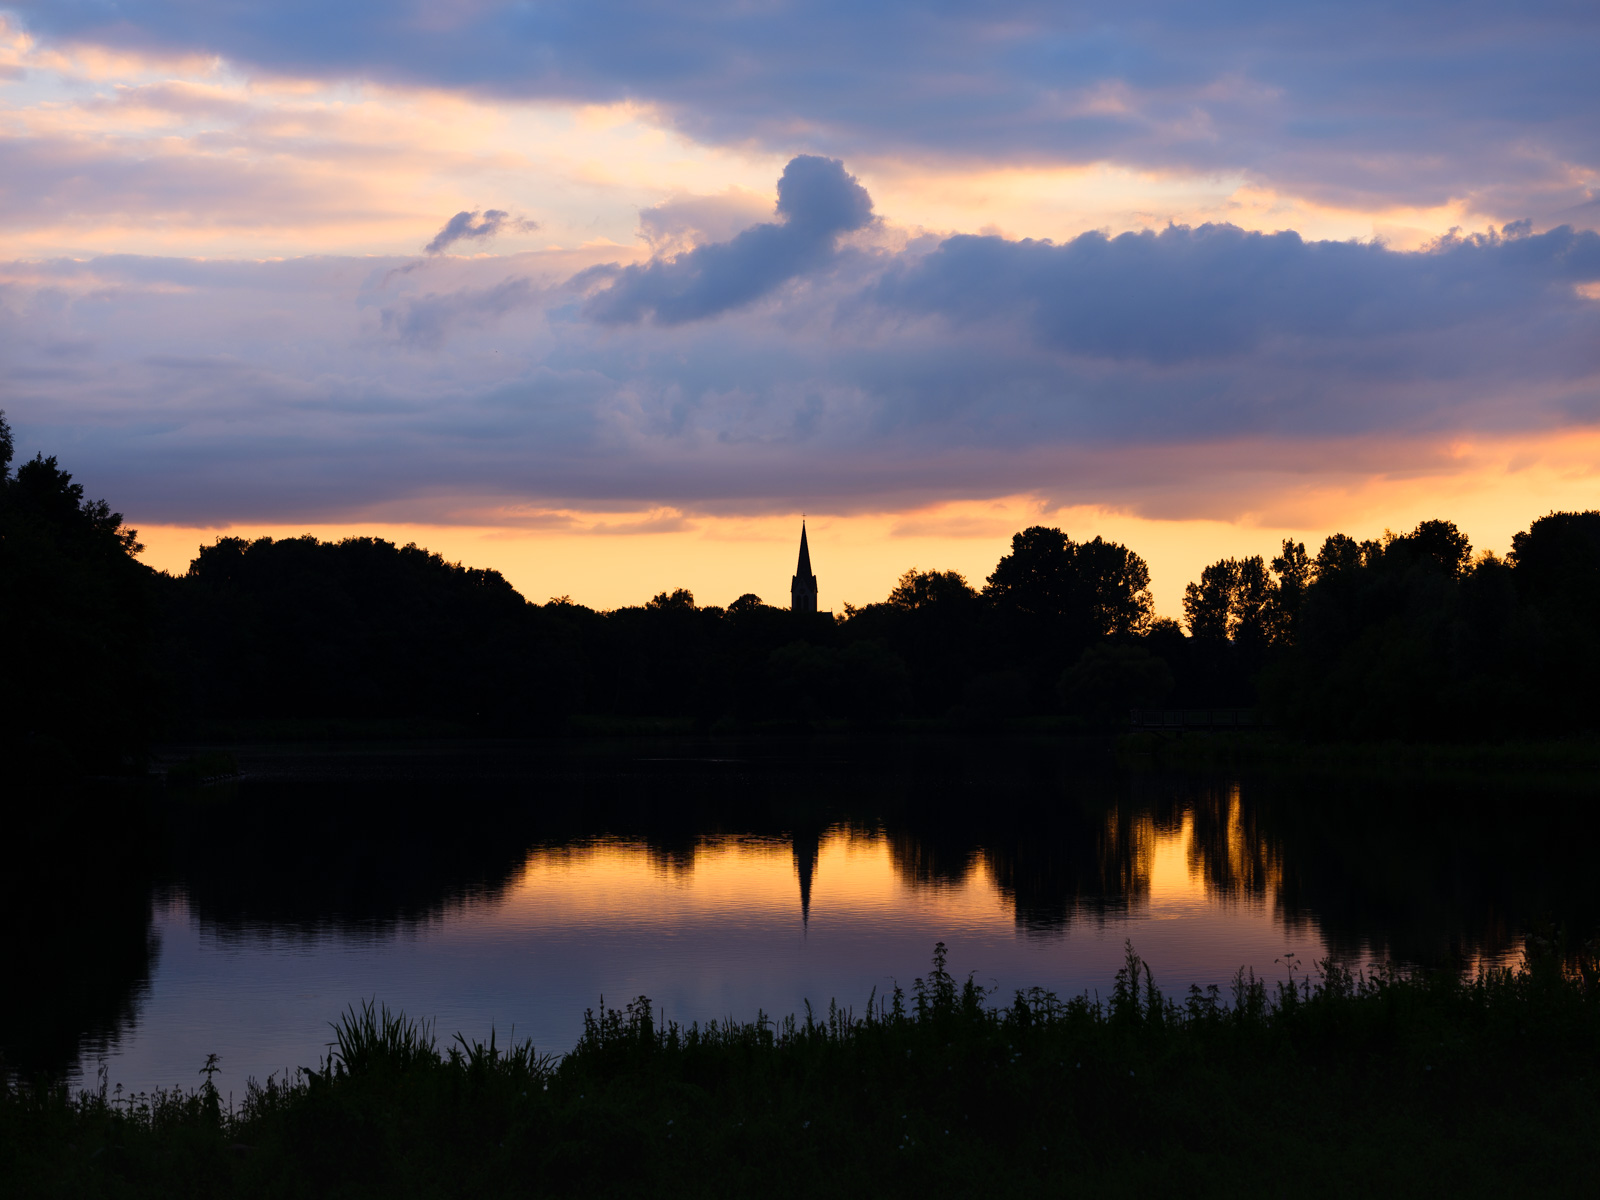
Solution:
(1411, 636)
(1555, 569)
(1293, 570)
(1110, 679)
(365, 629)
(681, 598)
(78, 690)
(1558, 558)
(923, 589)
(1208, 605)
(1437, 541)
(863, 680)
(937, 626)
(1341, 553)
(1091, 589)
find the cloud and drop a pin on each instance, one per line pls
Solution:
(683, 222)
(817, 201)
(469, 226)
(63, 180)
(1360, 103)
(425, 321)
(1193, 370)
(1219, 291)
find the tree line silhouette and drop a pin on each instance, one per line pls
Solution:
(1410, 635)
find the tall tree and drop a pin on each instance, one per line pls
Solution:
(1093, 589)
(76, 609)
(1116, 588)
(1293, 569)
(928, 589)
(1208, 605)
(1558, 557)
(1242, 600)
(1438, 543)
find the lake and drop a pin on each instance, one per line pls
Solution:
(514, 886)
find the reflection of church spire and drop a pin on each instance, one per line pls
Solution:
(803, 591)
(805, 864)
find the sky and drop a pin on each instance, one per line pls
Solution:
(607, 295)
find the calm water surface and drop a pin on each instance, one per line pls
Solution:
(490, 889)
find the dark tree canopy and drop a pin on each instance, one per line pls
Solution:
(1239, 600)
(1436, 543)
(1558, 558)
(1411, 636)
(78, 688)
(1097, 589)
(302, 628)
(680, 598)
(928, 589)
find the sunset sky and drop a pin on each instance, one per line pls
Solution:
(606, 295)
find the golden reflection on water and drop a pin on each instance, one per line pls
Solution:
(1170, 868)
(735, 879)
(1208, 854)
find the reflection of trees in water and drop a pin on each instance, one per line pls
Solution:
(930, 861)
(1085, 849)
(1228, 849)
(81, 943)
(1045, 887)
(673, 856)
(1414, 873)
(347, 858)
(1420, 874)
(1433, 871)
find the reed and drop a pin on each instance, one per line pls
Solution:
(374, 1039)
(1404, 1081)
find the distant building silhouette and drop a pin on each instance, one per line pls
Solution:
(803, 591)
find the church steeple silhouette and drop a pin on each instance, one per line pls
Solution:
(803, 591)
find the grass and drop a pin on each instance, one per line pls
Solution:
(1383, 1084)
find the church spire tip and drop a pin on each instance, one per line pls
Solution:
(803, 591)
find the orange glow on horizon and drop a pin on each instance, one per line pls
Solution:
(1491, 488)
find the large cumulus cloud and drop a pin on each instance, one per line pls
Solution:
(1098, 370)
(817, 201)
(1219, 291)
(1357, 102)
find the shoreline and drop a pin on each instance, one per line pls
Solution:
(1404, 1080)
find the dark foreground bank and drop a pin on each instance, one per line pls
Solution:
(1431, 1084)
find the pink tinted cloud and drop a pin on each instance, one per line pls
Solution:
(1197, 372)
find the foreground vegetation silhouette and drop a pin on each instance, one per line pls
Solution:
(1403, 1082)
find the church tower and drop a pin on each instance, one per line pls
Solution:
(803, 591)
